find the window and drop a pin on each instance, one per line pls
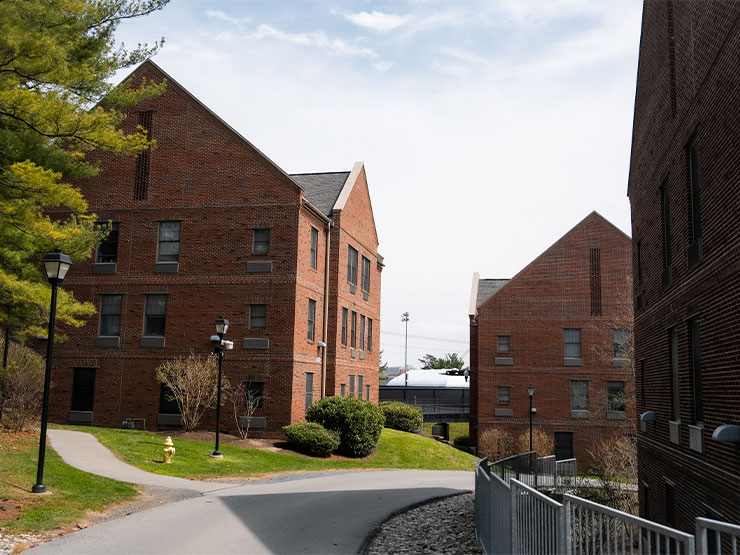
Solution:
(503, 343)
(314, 246)
(351, 385)
(309, 389)
(365, 275)
(675, 394)
(572, 347)
(257, 316)
(503, 395)
(579, 395)
(311, 318)
(369, 334)
(695, 358)
(155, 311)
(367, 392)
(622, 344)
(141, 172)
(344, 326)
(360, 386)
(352, 266)
(665, 222)
(362, 333)
(615, 396)
(692, 151)
(110, 315)
(169, 242)
(83, 389)
(639, 260)
(108, 249)
(254, 393)
(260, 241)
(353, 330)
(343, 389)
(167, 402)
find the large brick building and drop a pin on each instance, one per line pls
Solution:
(684, 188)
(205, 225)
(562, 324)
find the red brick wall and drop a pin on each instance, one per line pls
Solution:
(706, 61)
(551, 294)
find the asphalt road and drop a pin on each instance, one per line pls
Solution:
(331, 512)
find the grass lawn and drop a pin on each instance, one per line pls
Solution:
(72, 492)
(395, 450)
(456, 429)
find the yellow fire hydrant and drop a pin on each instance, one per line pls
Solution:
(169, 450)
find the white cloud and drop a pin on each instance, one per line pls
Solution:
(217, 14)
(318, 38)
(377, 21)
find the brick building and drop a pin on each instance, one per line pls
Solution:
(684, 188)
(206, 225)
(562, 324)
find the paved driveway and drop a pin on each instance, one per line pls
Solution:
(330, 512)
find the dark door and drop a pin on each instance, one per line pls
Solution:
(83, 389)
(563, 445)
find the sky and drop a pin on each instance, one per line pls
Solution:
(488, 128)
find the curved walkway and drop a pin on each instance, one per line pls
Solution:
(329, 512)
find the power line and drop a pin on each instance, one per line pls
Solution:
(425, 337)
(383, 344)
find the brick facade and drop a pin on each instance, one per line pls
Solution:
(580, 283)
(220, 189)
(685, 195)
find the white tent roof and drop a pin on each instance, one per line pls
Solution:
(430, 378)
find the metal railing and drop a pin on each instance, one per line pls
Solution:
(716, 537)
(566, 472)
(600, 530)
(522, 467)
(536, 522)
(493, 520)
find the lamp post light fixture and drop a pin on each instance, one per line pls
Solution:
(222, 324)
(56, 265)
(405, 319)
(530, 392)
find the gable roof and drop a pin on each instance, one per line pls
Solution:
(487, 288)
(321, 189)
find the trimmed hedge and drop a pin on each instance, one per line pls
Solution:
(359, 423)
(401, 416)
(312, 438)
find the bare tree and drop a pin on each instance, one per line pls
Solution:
(542, 443)
(614, 463)
(22, 386)
(245, 400)
(495, 443)
(192, 381)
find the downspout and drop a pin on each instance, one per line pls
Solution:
(326, 310)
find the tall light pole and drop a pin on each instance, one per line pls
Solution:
(56, 265)
(530, 392)
(222, 324)
(405, 318)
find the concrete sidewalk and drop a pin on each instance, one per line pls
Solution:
(85, 452)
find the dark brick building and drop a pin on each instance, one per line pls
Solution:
(684, 188)
(562, 324)
(206, 225)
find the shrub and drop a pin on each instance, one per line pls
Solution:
(401, 416)
(496, 444)
(358, 423)
(462, 441)
(542, 443)
(21, 386)
(312, 438)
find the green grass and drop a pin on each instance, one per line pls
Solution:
(395, 450)
(456, 429)
(71, 492)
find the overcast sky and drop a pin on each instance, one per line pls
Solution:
(488, 129)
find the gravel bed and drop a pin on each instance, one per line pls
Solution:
(441, 526)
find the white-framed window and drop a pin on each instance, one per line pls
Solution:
(257, 316)
(261, 240)
(169, 242)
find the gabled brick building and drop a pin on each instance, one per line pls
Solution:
(562, 325)
(206, 225)
(684, 189)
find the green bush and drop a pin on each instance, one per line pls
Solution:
(401, 416)
(358, 423)
(312, 438)
(461, 441)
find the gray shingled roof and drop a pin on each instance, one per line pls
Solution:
(487, 288)
(321, 189)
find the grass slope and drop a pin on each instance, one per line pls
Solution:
(395, 450)
(72, 492)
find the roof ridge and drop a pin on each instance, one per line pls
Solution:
(320, 173)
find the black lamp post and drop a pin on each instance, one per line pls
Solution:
(222, 324)
(530, 392)
(56, 265)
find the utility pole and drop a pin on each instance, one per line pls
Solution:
(405, 318)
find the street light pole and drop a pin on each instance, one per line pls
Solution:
(56, 264)
(222, 325)
(530, 392)
(405, 318)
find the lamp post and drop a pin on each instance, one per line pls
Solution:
(530, 392)
(405, 318)
(56, 265)
(222, 324)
